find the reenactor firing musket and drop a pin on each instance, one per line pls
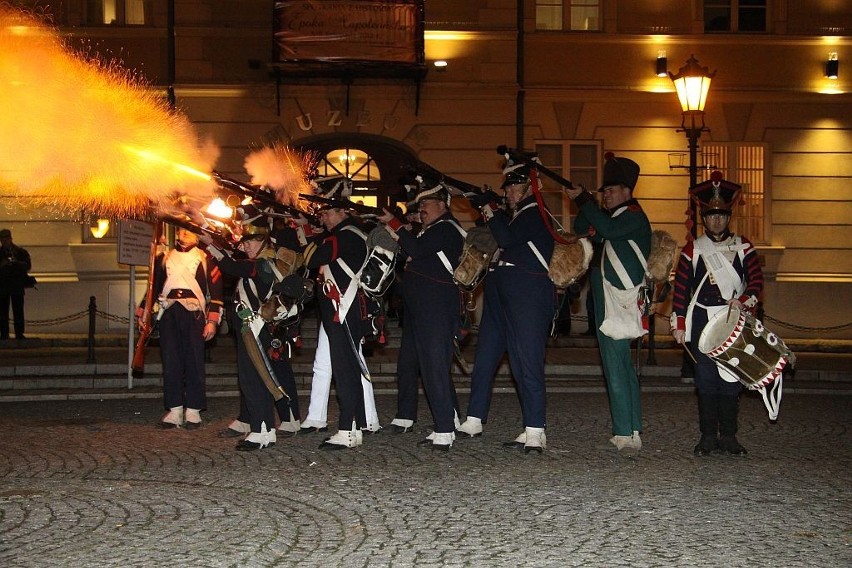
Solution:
(520, 156)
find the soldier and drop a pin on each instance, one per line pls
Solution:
(258, 373)
(338, 257)
(281, 235)
(717, 271)
(317, 418)
(188, 285)
(520, 301)
(624, 232)
(433, 305)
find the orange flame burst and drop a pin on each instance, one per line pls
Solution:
(84, 136)
(282, 169)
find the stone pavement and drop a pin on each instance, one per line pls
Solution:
(94, 483)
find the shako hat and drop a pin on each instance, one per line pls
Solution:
(716, 195)
(515, 172)
(429, 187)
(619, 171)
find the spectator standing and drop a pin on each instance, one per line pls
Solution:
(15, 263)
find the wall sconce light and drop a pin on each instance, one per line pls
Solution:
(832, 65)
(662, 64)
(440, 65)
(99, 228)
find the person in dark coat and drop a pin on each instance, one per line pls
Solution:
(258, 273)
(433, 308)
(520, 302)
(338, 257)
(15, 263)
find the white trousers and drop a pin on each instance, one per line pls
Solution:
(321, 389)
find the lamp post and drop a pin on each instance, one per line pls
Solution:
(692, 83)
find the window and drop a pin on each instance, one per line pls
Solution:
(357, 166)
(118, 12)
(735, 15)
(578, 162)
(744, 164)
(574, 15)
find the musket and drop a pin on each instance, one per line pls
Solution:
(219, 239)
(523, 157)
(262, 196)
(359, 208)
(137, 367)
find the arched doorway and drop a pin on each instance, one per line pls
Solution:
(375, 164)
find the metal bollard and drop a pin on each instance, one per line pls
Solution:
(90, 341)
(652, 329)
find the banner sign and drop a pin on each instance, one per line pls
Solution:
(349, 31)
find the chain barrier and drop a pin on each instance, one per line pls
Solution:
(55, 321)
(779, 323)
(79, 315)
(110, 317)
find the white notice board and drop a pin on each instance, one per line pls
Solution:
(134, 242)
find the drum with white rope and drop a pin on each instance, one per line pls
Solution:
(745, 351)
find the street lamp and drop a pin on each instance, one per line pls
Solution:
(692, 83)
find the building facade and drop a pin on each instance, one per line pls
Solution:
(571, 79)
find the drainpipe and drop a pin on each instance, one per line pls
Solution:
(170, 51)
(519, 103)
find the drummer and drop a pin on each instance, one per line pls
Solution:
(719, 271)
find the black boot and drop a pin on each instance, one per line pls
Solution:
(708, 422)
(728, 411)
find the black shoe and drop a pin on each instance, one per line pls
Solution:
(397, 429)
(441, 447)
(192, 425)
(730, 445)
(528, 449)
(424, 443)
(167, 426)
(368, 432)
(513, 445)
(246, 446)
(312, 429)
(706, 446)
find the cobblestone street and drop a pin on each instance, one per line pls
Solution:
(94, 483)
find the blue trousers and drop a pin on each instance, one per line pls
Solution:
(517, 316)
(182, 351)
